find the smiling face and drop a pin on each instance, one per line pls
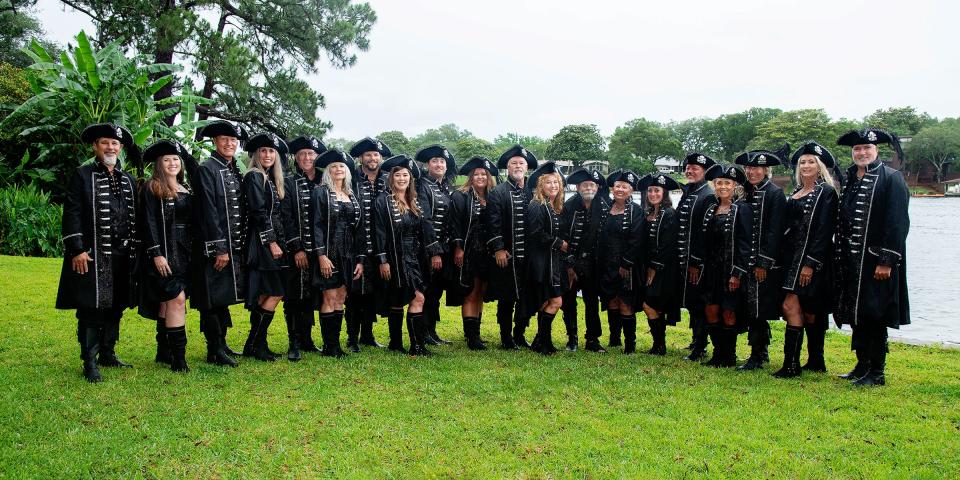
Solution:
(437, 166)
(654, 195)
(549, 185)
(107, 150)
(694, 173)
(266, 157)
(169, 164)
(621, 191)
(399, 180)
(864, 154)
(479, 178)
(755, 175)
(587, 190)
(724, 188)
(517, 168)
(226, 146)
(808, 166)
(371, 161)
(306, 159)
(338, 171)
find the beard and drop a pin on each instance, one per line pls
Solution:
(516, 177)
(588, 196)
(110, 160)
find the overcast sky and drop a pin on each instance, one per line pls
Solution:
(499, 66)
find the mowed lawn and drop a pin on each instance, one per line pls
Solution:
(457, 414)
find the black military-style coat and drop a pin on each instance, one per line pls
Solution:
(621, 246)
(297, 210)
(99, 217)
(808, 242)
(401, 252)
(506, 223)
(469, 231)
(546, 272)
(326, 212)
(730, 255)
(581, 231)
(690, 209)
(367, 192)
(873, 228)
(437, 197)
(660, 254)
(768, 207)
(264, 222)
(221, 216)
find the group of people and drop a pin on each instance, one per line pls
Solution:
(366, 234)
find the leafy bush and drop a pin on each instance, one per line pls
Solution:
(29, 222)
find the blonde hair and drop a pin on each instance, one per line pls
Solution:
(327, 180)
(824, 172)
(276, 172)
(538, 195)
(468, 185)
(410, 202)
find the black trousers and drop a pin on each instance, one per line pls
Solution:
(591, 307)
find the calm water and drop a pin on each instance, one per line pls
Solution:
(933, 272)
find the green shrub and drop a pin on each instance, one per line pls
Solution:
(29, 223)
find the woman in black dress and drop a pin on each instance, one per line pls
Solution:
(167, 220)
(406, 247)
(546, 274)
(621, 245)
(263, 189)
(806, 256)
(725, 248)
(340, 244)
(660, 302)
(471, 258)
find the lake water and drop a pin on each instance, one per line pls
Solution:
(933, 272)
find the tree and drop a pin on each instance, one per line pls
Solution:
(728, 135)
(250, 60)
(465, 148)
(398, 142)
(448, 135)
(578, 143)
(937, 144)
(17, 27)
(903, 121)
(692, 134)
(533, 143)
(640, 142)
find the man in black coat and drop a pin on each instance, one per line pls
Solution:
(582, 216)
(368, 183)
(765, 282)
(873, 228)
(218, 261)
(697, 196)
(299, 300)
(506, 211)
(434, 189)
(98, 277)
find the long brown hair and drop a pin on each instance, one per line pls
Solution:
(410, 194)
(468, 185)
(538, 194)
(158, 184)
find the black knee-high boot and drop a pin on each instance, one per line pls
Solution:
(860, 344)
(368, 316)
(616, 325)
(292, 319)
(876, 374)
(505, 322)
(216, 354)
(544, 340)
(330, 324)
(792, 343)
(758, 335)
(715, 333)
(88, 334)
(305, 324)
(223, 316)
(570, 323)
(177, 339)
(815, 338)
(629, 323)
(471, 332)
(163, 347)
(353, 329)
(260, 321)
(730, 348)
(658, 331)
(700, 327)
(418, 329)
(395, 327)
(109, 336)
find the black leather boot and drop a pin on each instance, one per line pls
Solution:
(719, 343)
(658, 331)
(729, 337)
(471, 331)
(594, 346)
(759, 339)
(860, 369)
(353, 329)
(109, 335)
(305, 325)
(395, 327)
(293, 335)
(815, 339)
(177, 338)
(506, 337)
(216, 354)
(792, 343)
(616, 325)
(418, 337)
(223, 316)
(629, 324)
(544, 342)
(570, 323)
(330, 324)
(88, 334)
(367, 318)
(520, 331)
(875, 375)
(260, 321)
(163, 347)
(430, 315)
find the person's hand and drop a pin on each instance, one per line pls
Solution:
(882, 272)
(436, 262)
(693, 274)
(385, 271)
(734, 284)
(564, 246)
(572, 275)
(300, 259)
(501, 257)
(275, 250)
(806, 274)
(358, 271)
(326, 266)
(163, 268)
(458, 257)
(79, 263)
(624, 273)
(760, 274)
(221, 261)
(650, 274)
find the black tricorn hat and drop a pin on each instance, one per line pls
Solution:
(621, 175)
(223, 127)
(438, 151)
(479, 162)
(370, 145)
(165, 147)
(581, 175)
(727, 171)
(518, 151)
(697, 158)
(763, 158)
(266, 140)
(813, 148)
(334, 156)
(307, 141)
(658, 180)
(873, 136)
(107, 130)
(402, 161)
(543, 169)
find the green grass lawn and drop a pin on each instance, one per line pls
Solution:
(457, 414)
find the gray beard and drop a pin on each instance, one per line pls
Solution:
(110, 160)
(588, 196)
(517, 178)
